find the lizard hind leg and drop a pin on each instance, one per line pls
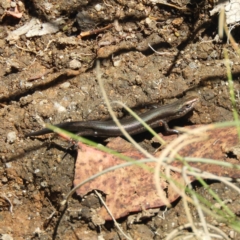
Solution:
(167, 129)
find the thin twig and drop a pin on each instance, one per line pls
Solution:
(9, 201)
(26, 50)
(162, 53)
(95, 31)
(109, 212)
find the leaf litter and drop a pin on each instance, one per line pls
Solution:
(132, 189)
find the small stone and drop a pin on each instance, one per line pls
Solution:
(5, 4)
(6, 237)
(2, 43)
(193, 65)
(14, 64)
(75, 64)
(8, 165)
(44, 184)
(97, 220)
(98, 7)
(11, 137)
(13, 4)
(4, 180)
(59, 107)
(177, 21)
(21, 7)
(65, 85)
(232, 234)
(16, 201)
(117, 63)
(67, 41)
(148, 21)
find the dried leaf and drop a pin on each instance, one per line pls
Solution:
(128, 189)
(132, 189)
(214, 147)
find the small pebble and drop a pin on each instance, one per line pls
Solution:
(59, 107)
(65, 85)
(44, 184)
(16, 201)
(232, 234)
(4, 180)
(11, 137)
(13, 4)
(148, 21)
(98, 7)
(74, 64)
(117, 63)
(5, 4)
(21, 6)
(6, 237)
(193, 65)
(8, 165)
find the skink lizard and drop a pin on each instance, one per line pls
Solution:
(156, 117)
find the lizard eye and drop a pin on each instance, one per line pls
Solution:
(188, 105)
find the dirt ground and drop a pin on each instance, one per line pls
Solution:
(52, 78)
